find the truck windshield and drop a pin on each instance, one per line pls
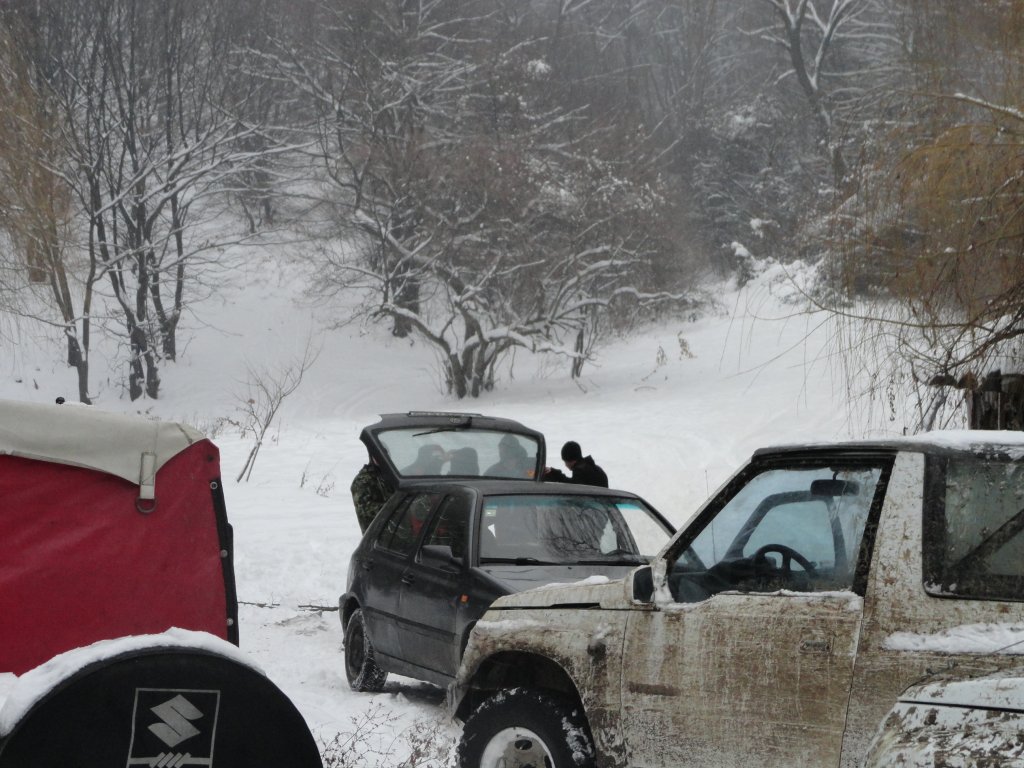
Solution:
(787, 528)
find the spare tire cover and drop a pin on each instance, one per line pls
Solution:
(162, 708)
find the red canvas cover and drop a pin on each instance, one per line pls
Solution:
(79, 563)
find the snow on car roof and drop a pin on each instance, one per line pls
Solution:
(985, 638)
(85, 436)
(999, 690)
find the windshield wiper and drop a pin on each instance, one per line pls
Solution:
(516, 560)
(436, 430)
(616, 561)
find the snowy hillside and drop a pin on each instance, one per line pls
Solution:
(669, 414)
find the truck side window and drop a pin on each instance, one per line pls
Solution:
(787, 528)
(974, 528)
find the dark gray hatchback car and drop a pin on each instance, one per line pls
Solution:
(447, 544)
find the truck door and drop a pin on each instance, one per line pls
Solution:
(946, 583)
(751, 653)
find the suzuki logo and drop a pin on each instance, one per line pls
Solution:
(175, 714)
(173, 729)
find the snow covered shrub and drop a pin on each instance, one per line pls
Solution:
(375, 741)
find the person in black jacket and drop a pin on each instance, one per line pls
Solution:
(584, 470)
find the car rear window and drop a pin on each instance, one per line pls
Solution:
(974, 528)
(427, 452)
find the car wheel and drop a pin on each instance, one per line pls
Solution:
(521, 728)
(360, 665)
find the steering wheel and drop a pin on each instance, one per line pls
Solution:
(788, 555)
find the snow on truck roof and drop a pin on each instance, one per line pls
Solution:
(130, 447)
(949, 441)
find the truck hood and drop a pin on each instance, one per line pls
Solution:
(590, 589)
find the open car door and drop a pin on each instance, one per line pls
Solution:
(422, 445)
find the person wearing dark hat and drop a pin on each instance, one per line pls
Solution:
(584, 470)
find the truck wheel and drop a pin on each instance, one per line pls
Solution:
(521, 728)
(360, 665)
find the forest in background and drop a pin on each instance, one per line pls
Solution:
(489, 176)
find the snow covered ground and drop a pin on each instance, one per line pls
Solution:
(664, 423)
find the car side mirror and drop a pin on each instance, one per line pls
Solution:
(438, 554)
(643, 584)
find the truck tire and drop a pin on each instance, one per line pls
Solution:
(523, 728)
(360, 664)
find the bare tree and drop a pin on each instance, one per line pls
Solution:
(836, 51)
(150, 135)
(35, 204)
(931, 252)
(381, 81)
(492, 211)
(267, 390)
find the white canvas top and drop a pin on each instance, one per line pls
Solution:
(131, 447)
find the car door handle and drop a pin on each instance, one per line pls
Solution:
(366, 565)
(408, 578)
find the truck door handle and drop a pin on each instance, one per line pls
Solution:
(408, 578)
(816, 646)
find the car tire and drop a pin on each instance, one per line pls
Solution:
(520, 727)
(361, 669)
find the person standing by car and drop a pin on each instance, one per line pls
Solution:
(584, 470)
(369, 492)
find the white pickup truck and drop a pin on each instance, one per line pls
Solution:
(778, 628)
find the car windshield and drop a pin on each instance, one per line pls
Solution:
(569, 529)
(459, 452)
